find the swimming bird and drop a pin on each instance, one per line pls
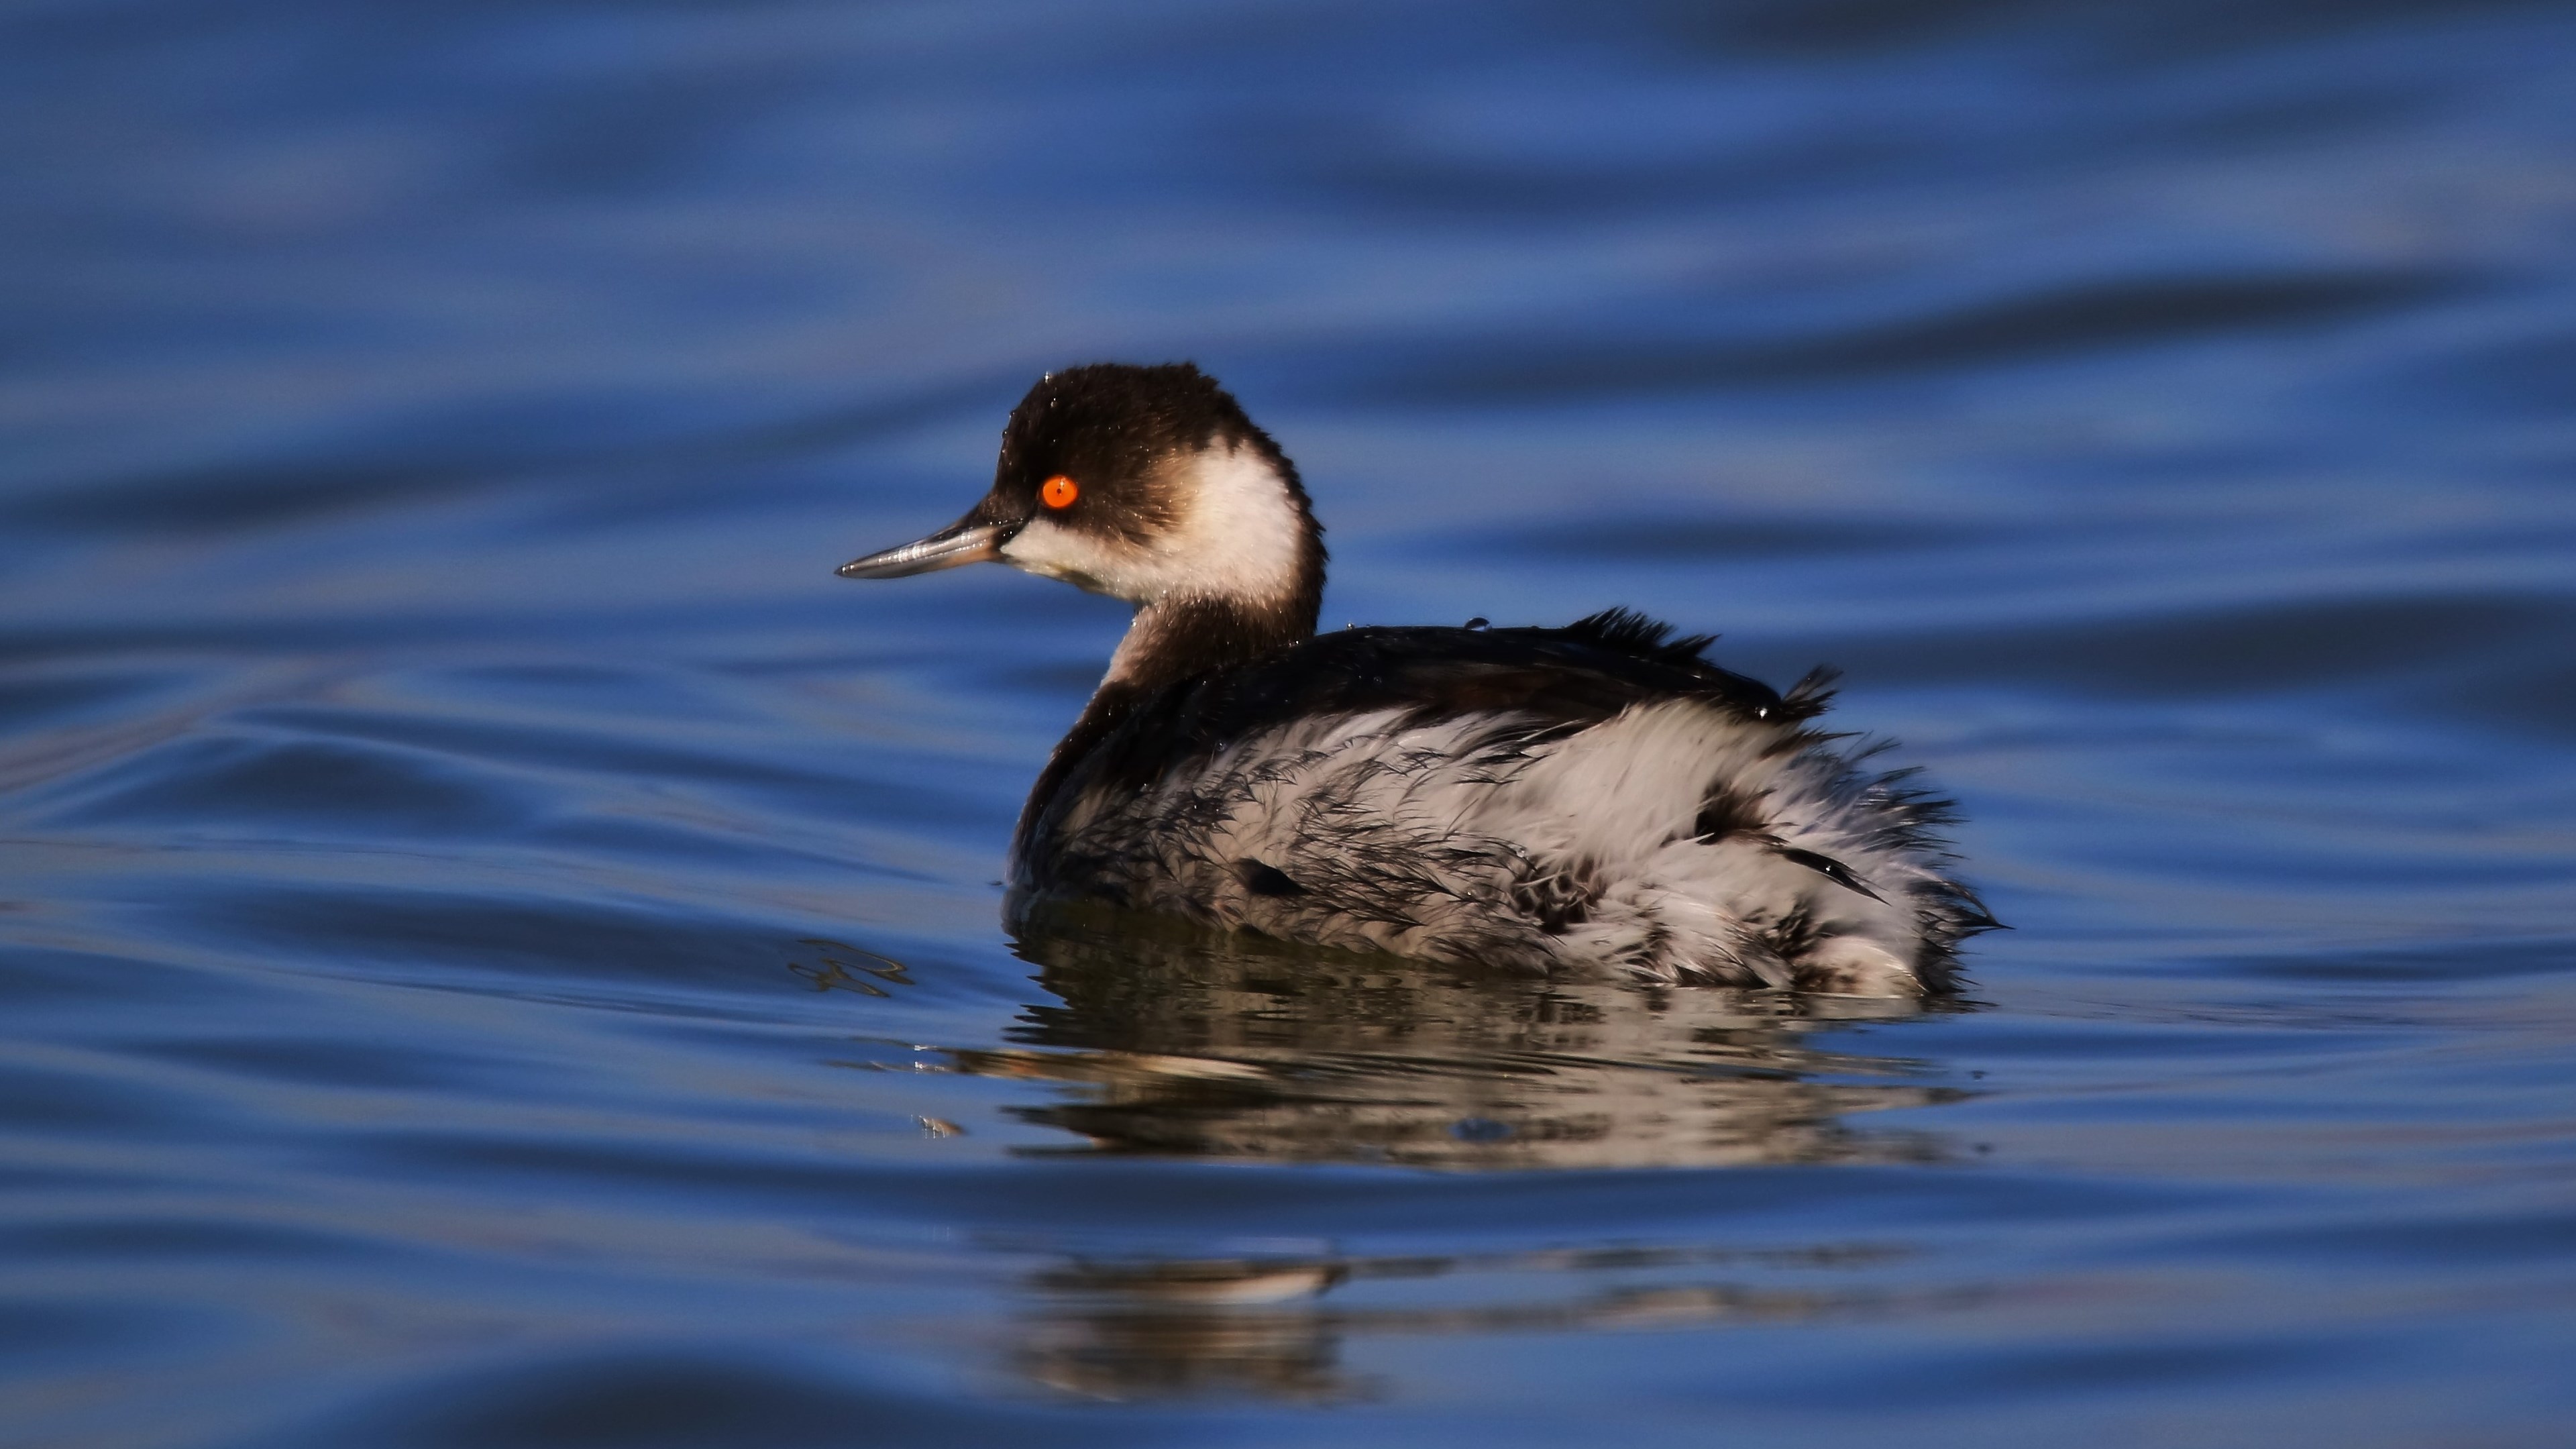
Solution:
(1596, 796)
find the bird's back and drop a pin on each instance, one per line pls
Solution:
(1597, 795)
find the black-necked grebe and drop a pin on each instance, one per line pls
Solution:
(1595, 795)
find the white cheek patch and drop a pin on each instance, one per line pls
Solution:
(1239, 534)
(1050, 550)
(1237, 537)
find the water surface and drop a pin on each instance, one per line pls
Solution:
(498, 946)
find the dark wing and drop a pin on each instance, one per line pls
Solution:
(1557, 680)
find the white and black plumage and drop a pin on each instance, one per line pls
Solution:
(1598, 795)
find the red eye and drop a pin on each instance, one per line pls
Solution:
(1059, 492)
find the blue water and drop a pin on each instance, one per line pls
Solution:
(499, 947)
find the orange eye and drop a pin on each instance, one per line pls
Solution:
(1059, 492)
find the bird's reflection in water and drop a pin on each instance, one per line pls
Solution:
(1182, 1044)
(1136, 1329)
(1170, 1042)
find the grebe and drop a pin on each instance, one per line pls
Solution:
(1599, 795)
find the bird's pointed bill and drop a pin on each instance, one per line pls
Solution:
(969, 540)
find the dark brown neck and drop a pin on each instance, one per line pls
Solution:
(1177, 639)
(1172, 641)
